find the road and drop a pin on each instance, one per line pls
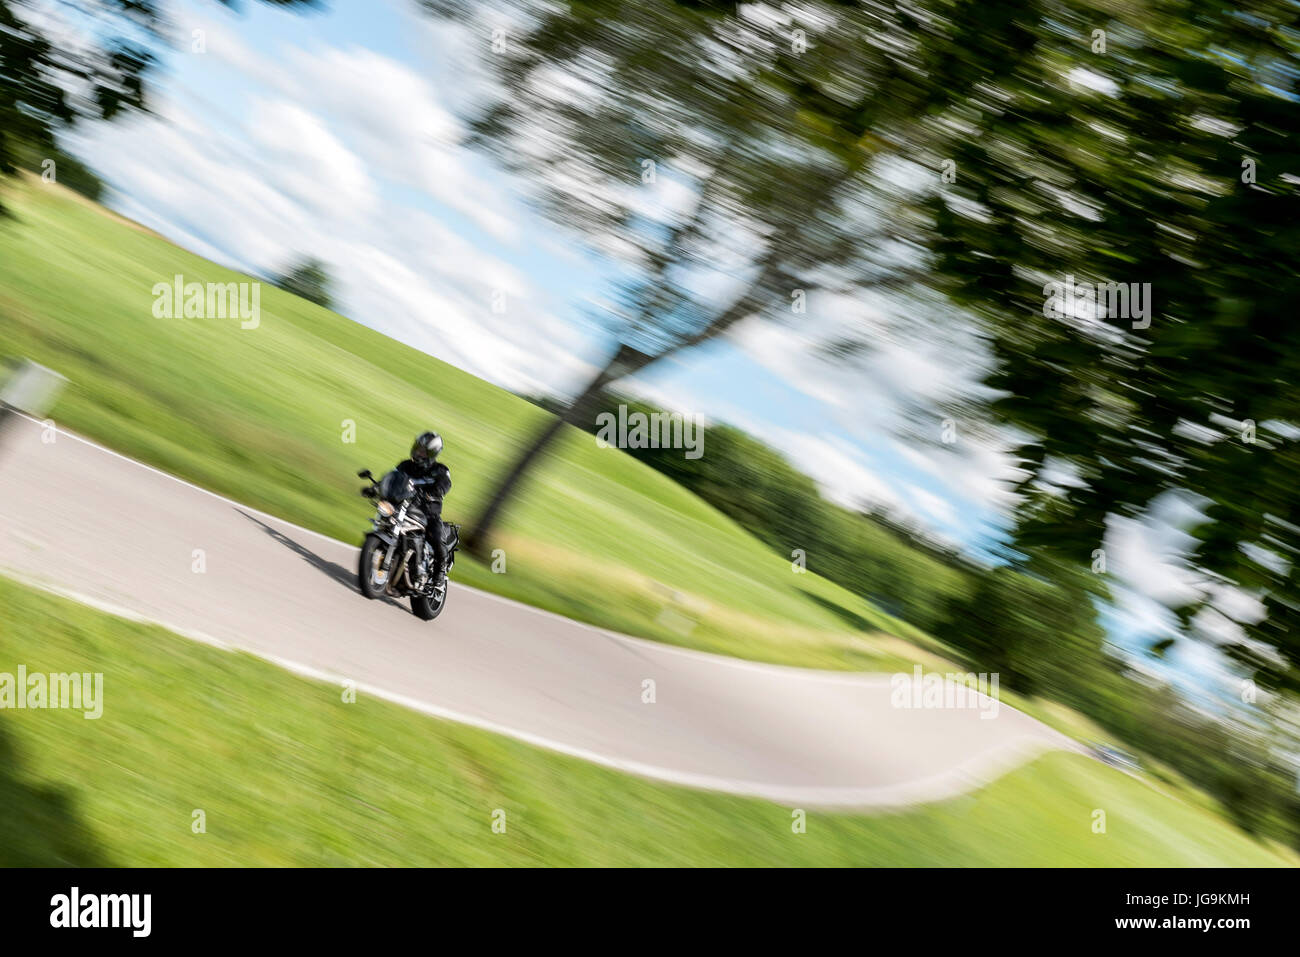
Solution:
(85, 522)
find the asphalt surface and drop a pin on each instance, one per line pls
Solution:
(85, 522)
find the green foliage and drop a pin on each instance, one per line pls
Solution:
(1174, 162)
(1035, 633)
(757, 487)
(309, 279)
(66, 170)
(35, 92)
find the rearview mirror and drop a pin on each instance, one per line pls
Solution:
(364, 473)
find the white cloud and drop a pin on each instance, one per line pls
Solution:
(1149, 561)
(1148, 556)
(841, 469)
(395, 121)
(896, 392)
(312, 166)
(936, 508)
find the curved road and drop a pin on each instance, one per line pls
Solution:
(86, 522)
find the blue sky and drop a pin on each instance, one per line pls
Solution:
(336, 133)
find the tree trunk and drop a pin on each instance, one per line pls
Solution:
(624, 362)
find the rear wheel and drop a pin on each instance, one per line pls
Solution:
(372, 577)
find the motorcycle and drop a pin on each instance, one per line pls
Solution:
(396, 559)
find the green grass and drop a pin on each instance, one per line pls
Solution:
(259, 414)
(286, 773)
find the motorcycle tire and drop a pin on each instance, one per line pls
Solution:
(371, 584)
(427, 609)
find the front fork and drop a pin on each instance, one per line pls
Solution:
(398, 519)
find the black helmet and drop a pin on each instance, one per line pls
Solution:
(427, 446)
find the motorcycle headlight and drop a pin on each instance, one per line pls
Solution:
(386, 509)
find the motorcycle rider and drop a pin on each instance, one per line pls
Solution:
(432, 481)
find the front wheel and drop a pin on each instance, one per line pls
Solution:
(372, 577)
(427, 609)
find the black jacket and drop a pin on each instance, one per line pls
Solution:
(432, 481)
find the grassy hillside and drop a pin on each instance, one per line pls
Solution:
(286, 773)
(258, 414)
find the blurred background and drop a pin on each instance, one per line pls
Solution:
(837, 232)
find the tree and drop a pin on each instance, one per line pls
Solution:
(1152, 146)
(309, 279)
(773, 125)
(45, 87)
(37, 79)
(61, 167)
